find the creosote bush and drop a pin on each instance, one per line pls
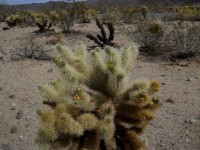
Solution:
(30, 47)
(150, 35)
(184, 40)
(92, 107)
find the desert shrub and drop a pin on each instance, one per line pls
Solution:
(89, 15)
(111, 14)
(184, 39)
(4, 9)
(13, 20)
(68, 15)
(188, 13)
(144, 10)
(54, 17)
(3, 16)
(27, 19)
(150, 35)
(91, 106)
(170, 9)
(30, 47)
(102, 40)
(82, 11)
(128, 14)
(67, 19)
(59, 35)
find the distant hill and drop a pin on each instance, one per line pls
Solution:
(149, 2)
(55, 4)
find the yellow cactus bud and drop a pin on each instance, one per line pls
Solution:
(79, 89)
(151, 103)
(76, 97)
(155, 85)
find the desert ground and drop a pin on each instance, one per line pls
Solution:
(177, 123)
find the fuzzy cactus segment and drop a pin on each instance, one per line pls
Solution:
(92, 105)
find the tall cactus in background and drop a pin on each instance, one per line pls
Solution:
(92, 107)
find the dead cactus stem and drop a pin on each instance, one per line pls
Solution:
(102, 40)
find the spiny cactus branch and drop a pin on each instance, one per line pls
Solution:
(92, 106)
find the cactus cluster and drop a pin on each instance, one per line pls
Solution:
(43, 25)
(92, 106)
(13, 20)
(54, 17)
(42, 21)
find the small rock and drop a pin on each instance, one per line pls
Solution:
(6, 147)
(187, 132)
(187, 140)
(193, 121)
(170, 100)
(1, 56)
(50, 70)
(190, 121)
(1, 88)
(13, 106)
(21, 137)
(163, 83)
(19, 114)
(28, 118)
(162, 145)
(13, 129)
(190, 79)
(12, 96)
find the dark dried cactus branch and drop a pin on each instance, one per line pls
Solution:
(102, 40)
(96, 41)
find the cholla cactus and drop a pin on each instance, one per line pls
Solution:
(59, 35)
(43, 25)
(42, 21)
(13, 20)
(102, 40)
(54, 16)
(92, 106)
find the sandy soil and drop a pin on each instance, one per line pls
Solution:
(176, 127)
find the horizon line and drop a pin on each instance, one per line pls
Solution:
(24, 2)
